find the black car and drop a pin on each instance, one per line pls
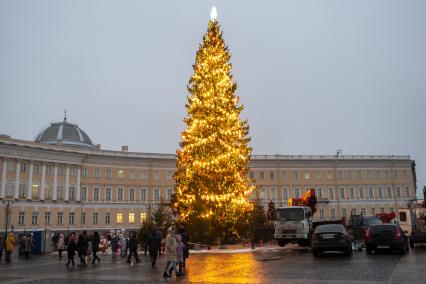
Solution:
(386, 236)
(331, 237)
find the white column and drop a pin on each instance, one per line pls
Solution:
(43, 181)
(17, 179)
(3, 179)
(30, 182)
(55, 182)
(67, 183)
(77, 198)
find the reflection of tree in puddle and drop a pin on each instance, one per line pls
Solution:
(224, 268)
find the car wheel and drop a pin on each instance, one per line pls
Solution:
(368, 250)
(281, 243)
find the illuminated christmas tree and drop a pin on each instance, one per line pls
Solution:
(212, 163)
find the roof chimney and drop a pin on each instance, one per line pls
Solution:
(125, 148)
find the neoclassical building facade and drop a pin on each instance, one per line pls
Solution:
(62, 181)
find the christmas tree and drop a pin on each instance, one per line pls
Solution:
(212, 162)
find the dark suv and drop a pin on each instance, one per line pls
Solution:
(386, 236)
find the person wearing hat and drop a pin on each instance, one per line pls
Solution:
(170, 253)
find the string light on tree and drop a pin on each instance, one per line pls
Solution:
(212, 161)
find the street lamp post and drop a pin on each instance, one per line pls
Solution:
(7, 212)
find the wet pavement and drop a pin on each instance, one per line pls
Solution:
(276, 265)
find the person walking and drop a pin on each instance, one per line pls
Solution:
(21, 247)
(170, 253)
(179, 253)
(82, 247)
(114, 246)
(153, 246)
(160, 240)
(61, 245)
(95, 247)
(71, 249)
(185, 240)
(28, 246)
(10, 246)
(133, 248)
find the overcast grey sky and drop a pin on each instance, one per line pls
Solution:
(314, 76)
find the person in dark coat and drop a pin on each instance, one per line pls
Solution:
(185, 240)
(153, 246)
(71, 249)
(82, 245)
(95, 247)
(133, 247)
(160, 239)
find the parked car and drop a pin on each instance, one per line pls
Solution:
(386, 236)
(331, 237)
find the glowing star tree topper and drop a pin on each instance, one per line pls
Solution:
(212, 162)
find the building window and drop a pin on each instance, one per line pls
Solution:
(262, 193)
(72, 192)
(318, 175)
(353, 211)
(391, 209)
(60, 192)
(382, 210)
(285, 193)
(395, 174)
(61, 171)
(333, 214)
(387, 174)
(169, 193)
(351, 193)
(119, 218)
(321, 211)
(96, 173)
(120, 194)
(107, 218)
(340, 174)
(380, 192)
(9, 188)
(363, 211)
(319, 192)
(84, 172)
(370, 192)
(73, 171)
(120, 173)
(169, 176)
(262, 175)
(143, 217)
(132, 174)
(22, 190)
(10, 166)
(131, 218)
(71, 218)
(83, 193)
(297, 192)
(96, 193)
(373, 211)
(344, 212)
(361, 192)
(156, 175)
(271, 175)
(47, 218)
(295, 175)
(60, 218)
(48, 170)
(251, 175)
(359, 174)
(143, 194)
(307, 175)
(398, 192)
(108, 194)
(48, 191)
(389, 190)
(23, 167)
(34, 218)
(330, 193)
(368, 174)
(36, 190)
(156, 194)
(21, 218)
(273, 193)
(143, 175)
(108, 174)
(132, 194)
(283, 174)
(378, 174)
(342, 193)
(83, 218)
(407, 191)
(95, 218)
(329, 174)
(405, 174)
(349, 174)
